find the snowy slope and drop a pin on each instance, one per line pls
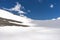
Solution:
(9, 15)
(29, 33)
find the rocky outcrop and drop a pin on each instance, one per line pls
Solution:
(6, 22)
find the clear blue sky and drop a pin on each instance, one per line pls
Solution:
(40, 9)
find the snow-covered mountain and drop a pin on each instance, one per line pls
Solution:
(7, 18)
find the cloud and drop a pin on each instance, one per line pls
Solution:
(53, 19)
(29, 11)
(17, 8)
(51, 6)
(58, 18)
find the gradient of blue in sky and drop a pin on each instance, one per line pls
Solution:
(38, 9)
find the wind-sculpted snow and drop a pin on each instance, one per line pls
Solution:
(29, 33)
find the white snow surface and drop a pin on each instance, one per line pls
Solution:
(29, 33)
(9, 15)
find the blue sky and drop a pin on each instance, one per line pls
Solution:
(36, 9)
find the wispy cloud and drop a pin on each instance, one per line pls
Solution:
(58, 18)
(51, 6)
(17, 8)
